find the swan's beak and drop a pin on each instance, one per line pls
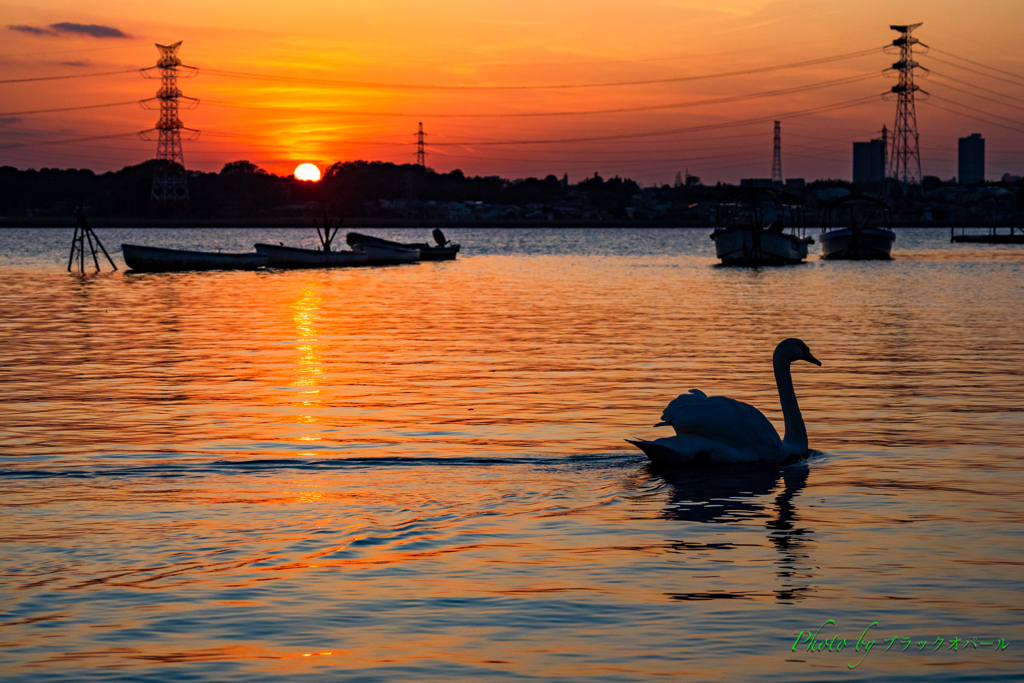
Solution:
(811, 359)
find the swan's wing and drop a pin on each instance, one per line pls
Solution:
(722, 420)
(685, 448)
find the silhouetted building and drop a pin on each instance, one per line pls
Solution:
(869, 161)
(972, 159)
(795, 184)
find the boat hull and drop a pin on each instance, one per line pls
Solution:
(378, 254)
(294, 257)
(748, 246)
(427, 252)
(160, 260)
(869, 244)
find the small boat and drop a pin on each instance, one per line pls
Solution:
(746, 242)
(443, 251)
(380, 254)
(857, 244)
(294, 257)
(859, 241)
(756, 246)
(157, 259)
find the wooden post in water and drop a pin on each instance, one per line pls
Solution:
(328, 236)
(85, 235)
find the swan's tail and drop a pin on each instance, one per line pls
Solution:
(658, 452)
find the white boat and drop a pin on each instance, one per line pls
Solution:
(293, 257)
(377, 253)
(755, 246)
(857, 243)
(740, 239)
(160, 260)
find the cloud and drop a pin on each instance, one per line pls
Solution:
(94, 30)
(70, 28)
(34, 30)
(9, 120)
(77, 63)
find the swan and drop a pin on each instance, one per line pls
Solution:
(726, 430)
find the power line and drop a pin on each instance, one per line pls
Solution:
(654, 81)
(976, 87)
(131, 45)
(990, 99)
(959, 104)
(980, 73)
(84, 106)
(68, 140)
(969, 61)
(622, 110)
(744, 122)
(58, 78)
(976, 118)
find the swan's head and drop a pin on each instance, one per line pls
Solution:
(791, 350)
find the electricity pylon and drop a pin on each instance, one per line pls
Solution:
(170, 190)
(421, 154)
(905, 159)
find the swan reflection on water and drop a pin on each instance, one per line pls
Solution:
(713, 495)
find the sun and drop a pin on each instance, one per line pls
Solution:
(307, 172)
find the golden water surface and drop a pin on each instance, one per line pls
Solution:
(418, 473)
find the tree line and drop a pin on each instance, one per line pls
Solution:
(241, 189)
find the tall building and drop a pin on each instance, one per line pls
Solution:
(972, 159)
(869, 161)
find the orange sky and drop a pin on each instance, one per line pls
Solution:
(317, 111)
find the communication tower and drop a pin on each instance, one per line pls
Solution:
(905, 159)
(421, 155)
(777, 154)
(170, 190)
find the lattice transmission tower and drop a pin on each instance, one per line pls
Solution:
(905, 157)
(170, 189)
(777, 154)
(421, 154)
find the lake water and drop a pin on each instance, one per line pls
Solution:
(418, 473)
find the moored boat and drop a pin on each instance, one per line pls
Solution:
(857, 242)
(158, 259)
(755, 246)
(380, 254)
(428, 252)
(740, 239)
(294, 257)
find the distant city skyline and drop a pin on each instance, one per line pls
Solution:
(971, 159)
(516, 91)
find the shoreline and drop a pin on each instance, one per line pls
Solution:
(364, 222)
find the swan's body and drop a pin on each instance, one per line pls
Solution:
(725, 430)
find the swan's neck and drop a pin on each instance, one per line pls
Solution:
(796, 433)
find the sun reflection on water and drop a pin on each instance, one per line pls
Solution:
(309, 364)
